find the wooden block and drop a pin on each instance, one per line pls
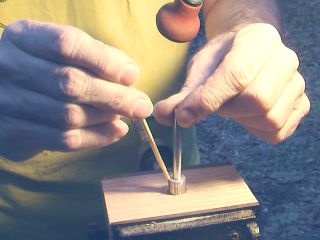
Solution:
(144, 197)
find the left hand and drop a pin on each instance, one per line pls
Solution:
(250, 76)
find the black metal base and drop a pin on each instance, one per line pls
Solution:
(233, 225)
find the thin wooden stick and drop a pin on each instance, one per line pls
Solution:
(155, 149)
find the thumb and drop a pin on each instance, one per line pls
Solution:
(199, 68)
(251, 48)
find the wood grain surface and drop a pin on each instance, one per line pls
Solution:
(145, 197)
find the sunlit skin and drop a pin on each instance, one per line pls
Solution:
(244, 72)
(50, 85)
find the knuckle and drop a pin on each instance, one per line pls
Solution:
(72, 140)
(72, 116)
(13, 29)
(12, 32)
(291, 58)
(301, 83)
(66, 41)
(208, 101)
(304, 106)
(70, 84)
(119, 100)
(307, 107)
(103, 60)
(274, 123)
(262, 101)
(237, 76)
(101, 141)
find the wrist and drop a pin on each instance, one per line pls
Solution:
(231, 16)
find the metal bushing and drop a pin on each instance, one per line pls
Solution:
(177, 186)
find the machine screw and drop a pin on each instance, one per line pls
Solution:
(233, 235)
(254, 230)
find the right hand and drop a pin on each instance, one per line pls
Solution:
(62, 90)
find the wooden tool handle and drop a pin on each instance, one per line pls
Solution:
(179, 21)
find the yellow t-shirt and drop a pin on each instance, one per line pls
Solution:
(55, 195)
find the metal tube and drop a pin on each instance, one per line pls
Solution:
(177, 182)
(176, 150)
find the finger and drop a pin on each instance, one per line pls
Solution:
(275, 119)
(92, 137)
(263, 92)
(299, 111)
(20, 139)
(239, 67)
(206, 61)
(81, 87)
(72, 46)
(200, 67)
(73, 84)
(163, 111)
(24, 104)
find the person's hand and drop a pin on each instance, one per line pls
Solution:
(62, 90)
(249, 76)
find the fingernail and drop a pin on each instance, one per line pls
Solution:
(187, 118)
(142, 108)
(129, 74)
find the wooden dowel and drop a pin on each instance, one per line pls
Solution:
(155, 149)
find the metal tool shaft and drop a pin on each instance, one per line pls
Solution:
(177, 182)
(176, 150)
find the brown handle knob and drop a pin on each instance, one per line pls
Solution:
(179, 21)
